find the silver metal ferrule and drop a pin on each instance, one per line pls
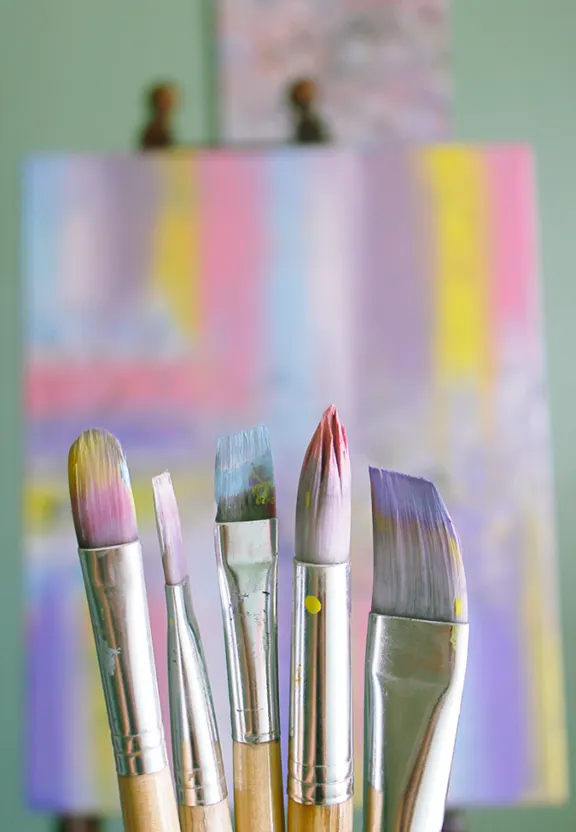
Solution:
(198, 767)
(320, 765)
(415, 674)
(114, 581)
(247, 555)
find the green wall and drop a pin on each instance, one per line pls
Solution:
(71, 73)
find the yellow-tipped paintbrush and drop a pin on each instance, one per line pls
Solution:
(111, 559)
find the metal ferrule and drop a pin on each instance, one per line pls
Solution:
(320, 766)
(413, 691)
(247, 555)
(198, 767)
(114, 581)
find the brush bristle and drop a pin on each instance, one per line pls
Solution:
(418, 571)
(169, 530)
(100, 492)
(244, 480)
(324, 502)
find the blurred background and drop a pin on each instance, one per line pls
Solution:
(76, 79)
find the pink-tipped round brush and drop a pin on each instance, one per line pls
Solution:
(320, 763)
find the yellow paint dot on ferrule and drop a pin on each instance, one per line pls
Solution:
(171, 622)
(312, 604)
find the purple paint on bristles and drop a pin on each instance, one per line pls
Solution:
(402, 495)
(169, 530)
(418, 571)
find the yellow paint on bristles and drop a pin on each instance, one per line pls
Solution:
(455, 550)
(96, 461)
(263, 489)
(312, 604)
(307, 499)
(457, 607)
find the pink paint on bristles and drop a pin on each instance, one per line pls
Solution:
(328, 448)
(169, 530)
(324, 495)
(100, 492)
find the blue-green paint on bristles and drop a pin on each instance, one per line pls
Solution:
(244, 477)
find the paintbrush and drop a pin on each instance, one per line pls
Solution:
(416, 653)
(111, 559)
(198, 768)
(246, 540)
(320, 762)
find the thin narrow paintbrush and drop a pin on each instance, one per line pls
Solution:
(111, 558)
(246, 538)
(416, 655)
(320, 768)
(198, 767)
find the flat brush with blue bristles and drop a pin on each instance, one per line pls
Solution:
(246, 540)
(416, 654)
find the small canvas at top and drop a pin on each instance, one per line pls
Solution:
(382, 68)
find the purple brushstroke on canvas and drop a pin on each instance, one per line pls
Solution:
(156, 434)
(505, 777)
(47, 757)
(398, 287)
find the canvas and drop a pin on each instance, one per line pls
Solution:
(172, 300)
(383, 67)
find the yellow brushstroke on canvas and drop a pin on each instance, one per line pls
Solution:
(457, 178)
(461, 240)
(44, 502)
(47, 502)
(176, 268)
(544, 656)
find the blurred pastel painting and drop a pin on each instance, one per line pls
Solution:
(382, 67)
(171, 300)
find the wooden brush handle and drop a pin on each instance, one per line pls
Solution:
(214, 818)
(149, 802)
(373, 809)
(258, 787)
(336, 818)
